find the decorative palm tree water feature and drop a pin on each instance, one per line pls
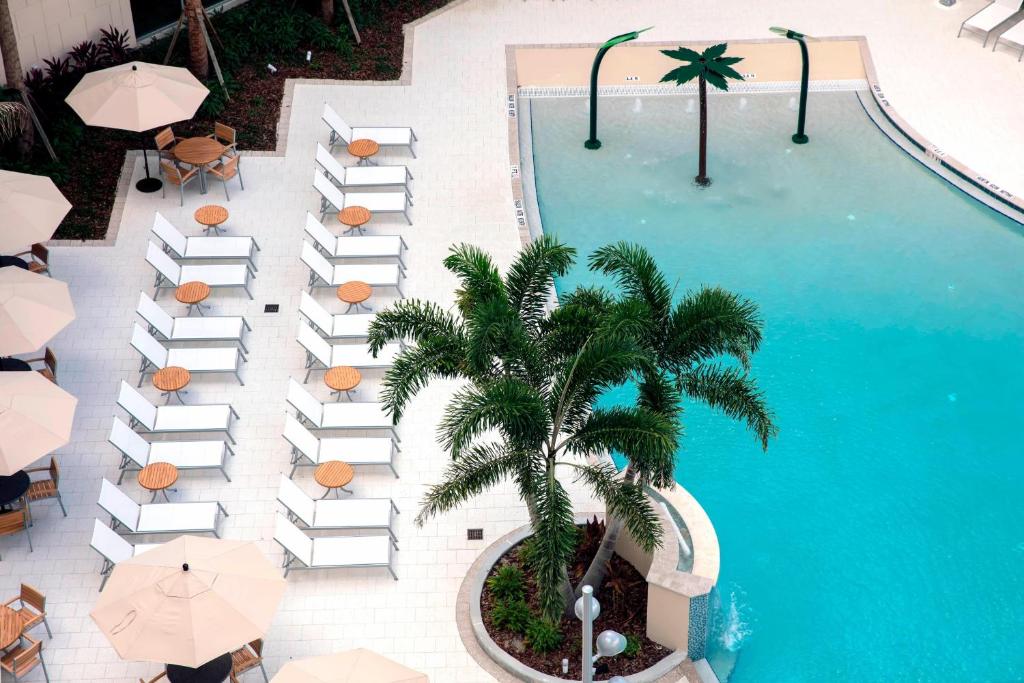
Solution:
(592, 142)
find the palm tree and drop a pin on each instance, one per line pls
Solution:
(689, 341)
(198, 55)
(9, 49)
(710, 66)
(16, 122)
(327, 11)
(527, 410)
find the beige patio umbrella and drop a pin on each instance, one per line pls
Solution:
(32, 207)
(33, 308)
(352, 666)
(189, 601)
(137, 96)
(35, 419)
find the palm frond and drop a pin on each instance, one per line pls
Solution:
(682, 74)
(507, 404)
(715, 79)
(714, 52)
(725, 70)
(479, 278)
(415, 366)
(531, 277)
(636, 272)
(735, 394)
(555, 538)
(478, 469)
(411, 320)
(710, 322)
(624, 501)
(683, 54)
(14, 120)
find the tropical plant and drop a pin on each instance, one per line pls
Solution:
(507, 583)
(115, 45)
(87, 55)
(511, 615)
(16, 124)
(533, 376)
(543, 636)
(9, 49)
(632, 645)
(710, 66)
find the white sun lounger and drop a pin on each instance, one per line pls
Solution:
(174, 419)
(113, 548)
(229, 328)
(357, 451)
(353, 326)
(156, 356)
(338, 552)
(388, 136)
(362, 176)
(340, 415)
(136, 452)
(158, 518)
(169, 274)
(991, 17)
(203, 248)
(350, 247)
(376, 202)
(373, 274)
(1014, 37)
(327, 355)
(351, 513)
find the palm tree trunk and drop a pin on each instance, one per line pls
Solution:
(327, 11)
(702, 163)
(198, 55)
(598, 569)
(9, 49)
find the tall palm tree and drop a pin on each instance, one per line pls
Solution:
(710, 66)
(527, 410)
(691, 341)
(327, 11)
(9, 49)
(198, 54)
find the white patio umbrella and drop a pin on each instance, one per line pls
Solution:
(33, 308)
(138, 96)
(32, 207)
(352, 666)
(35, 419)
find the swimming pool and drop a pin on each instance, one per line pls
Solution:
(882, 535)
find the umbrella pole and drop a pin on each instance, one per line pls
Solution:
(147, 184)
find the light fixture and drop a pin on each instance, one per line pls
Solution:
(610, 643)
(595, 607)
(799, 137)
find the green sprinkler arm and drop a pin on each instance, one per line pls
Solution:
(593, 142)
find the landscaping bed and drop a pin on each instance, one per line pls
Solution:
(510, 611)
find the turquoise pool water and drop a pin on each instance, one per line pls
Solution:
(881, 538)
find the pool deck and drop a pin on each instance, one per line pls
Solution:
(960, 96)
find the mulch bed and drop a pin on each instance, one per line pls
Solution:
(625, 612)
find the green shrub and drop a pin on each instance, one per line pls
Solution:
(542, 636)
(508, 583)
(528, 551)
(632, 645)
(511, 615)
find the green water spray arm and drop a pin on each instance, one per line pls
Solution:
(593, 142)
(799, 138)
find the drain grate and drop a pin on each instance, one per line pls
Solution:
(475, 534)
(272, 308)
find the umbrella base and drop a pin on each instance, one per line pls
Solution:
(149, 185)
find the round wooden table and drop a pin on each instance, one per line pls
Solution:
(354, 293)
(10, 627)
(193, 294)
(342, 378)
(354, 218)
(172, 380)
(333, 475)
(364, 149)
(199, 152)
(210, 217)
(158, 477)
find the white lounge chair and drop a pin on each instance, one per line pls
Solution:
(202, 247)
(136, 452)
(341, 415)
(349, 247)
(229, 328)
(356, 451)
(333, 515)
(155, 356)
(1015, 37)
(338, 552)
(362, 176)
(158, 518)
(991, 17)
(113, 548)
(376, 202)
(323, 274)
(174, 419)
(354, 326)
(387, 136)
(169, 274)
(321, 352)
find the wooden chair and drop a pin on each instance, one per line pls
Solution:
(13, 521)
(226, 170)
(49, 360)
(31, 608)
(165, 141)
(24, 658)
(246, 658)
(154, 679)
(41, 489)
(227, 136)
(173, 174)
(39, 259)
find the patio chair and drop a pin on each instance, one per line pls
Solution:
(324, 274)
(387, 136)
(340, 415)
(201, 247)
(38, 259)
(339, 552)
(356, 451)
(31, 608)
(158, 518)
(46, 487)
(248, 657)
(362, 176)
(136, 452)
(225, 170)
(1013, 37)
(113, 548)
(49, 361)
(991, 17)
(13, 521)
(174, 419)
(334, 515)
(320, 352)
(214, 328)
(227, 136)
(197, 360)
(173, 174)
(165, 141)
(376, 202)
(169, 274)
(338, 326)
(352, 247)
(159, 677)
(24, 658)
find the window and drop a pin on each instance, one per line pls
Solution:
(149, 16)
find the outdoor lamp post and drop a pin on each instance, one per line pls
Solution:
(799, 138)
(609, 643)
(593, 142)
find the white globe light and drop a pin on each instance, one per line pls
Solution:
(610, 643)
(617, 679)
(595, 608)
